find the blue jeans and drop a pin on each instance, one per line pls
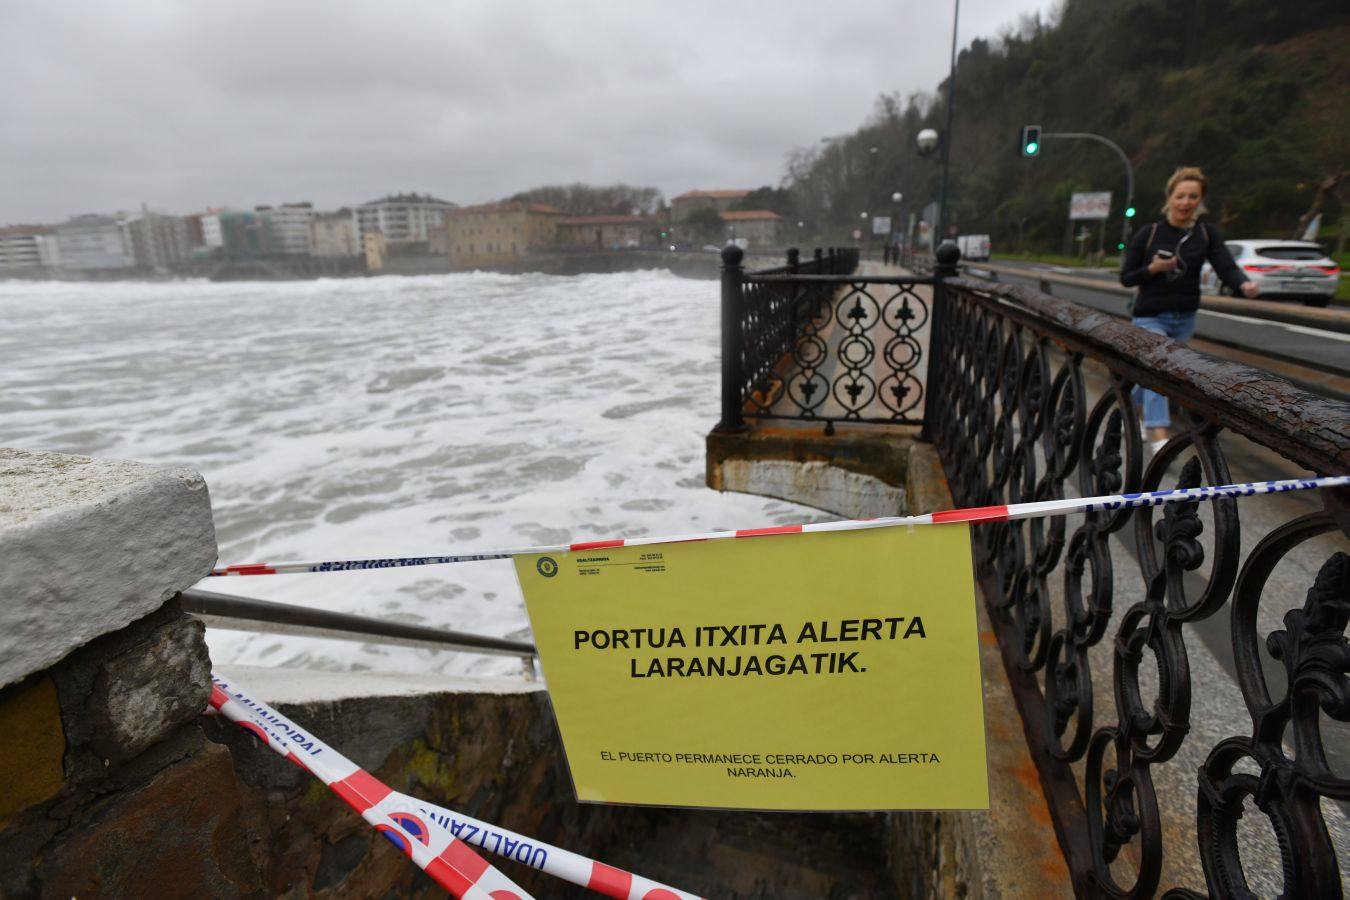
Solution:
(1178, 326)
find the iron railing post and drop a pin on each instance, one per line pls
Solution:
(733, 317)
(948, 254)
(820, 261)
(794, 260)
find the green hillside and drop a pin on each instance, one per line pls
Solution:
(1258, 94)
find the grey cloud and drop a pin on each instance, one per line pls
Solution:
(182, 105)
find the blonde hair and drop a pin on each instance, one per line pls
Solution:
(1186, 173)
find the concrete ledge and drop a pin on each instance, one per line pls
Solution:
(88, 546)
(278, 686)
(857, 472)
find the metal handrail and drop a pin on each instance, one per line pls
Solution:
(232, 612)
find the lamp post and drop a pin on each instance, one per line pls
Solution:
(947, 132)
(928, 139)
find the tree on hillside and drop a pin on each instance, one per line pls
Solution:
(1238, 88)
(703, 226)
(773, 199)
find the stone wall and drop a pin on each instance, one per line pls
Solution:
(103, 680)
(490, 748)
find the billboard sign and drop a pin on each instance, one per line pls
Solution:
(1095, 205)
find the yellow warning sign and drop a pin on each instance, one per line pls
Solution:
(826, 671)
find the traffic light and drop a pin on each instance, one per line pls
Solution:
(1129, 212)
(1120, 245)
(1031, 140)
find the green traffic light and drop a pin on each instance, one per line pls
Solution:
(1129, 212)
(1120, 245)
(1032, 147)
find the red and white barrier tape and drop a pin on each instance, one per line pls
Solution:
(439, 840)
(976, 514)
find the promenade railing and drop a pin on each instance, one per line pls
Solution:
(1156, 776)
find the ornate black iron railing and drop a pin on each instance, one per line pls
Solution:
(822, 344)
(1112, 627)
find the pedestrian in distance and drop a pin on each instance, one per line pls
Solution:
(1164, 261)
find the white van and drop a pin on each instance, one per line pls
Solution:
(973, 246)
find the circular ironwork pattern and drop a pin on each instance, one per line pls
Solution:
(819, 351)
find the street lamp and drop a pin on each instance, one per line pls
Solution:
(928, 139)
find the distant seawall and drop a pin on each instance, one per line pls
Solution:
(686, 264)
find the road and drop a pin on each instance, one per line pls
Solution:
(1318, 351)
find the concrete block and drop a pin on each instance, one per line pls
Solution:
(815, 484)
(88, 546)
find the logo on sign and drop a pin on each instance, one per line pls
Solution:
(547, 566)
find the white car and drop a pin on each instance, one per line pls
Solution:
(1298, 270)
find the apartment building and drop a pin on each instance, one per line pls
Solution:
(500, 232)
(158, 241)
(94, 242)
(289, 227)
(334, 234)
(403, 218)
(28, 248)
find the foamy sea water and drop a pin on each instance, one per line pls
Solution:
(337, 419)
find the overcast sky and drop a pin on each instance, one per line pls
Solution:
(186, 105)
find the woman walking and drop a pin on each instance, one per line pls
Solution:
(1164, 261)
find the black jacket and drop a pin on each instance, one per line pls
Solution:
(1181, 293)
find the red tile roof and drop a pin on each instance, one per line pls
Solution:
(506, 206)
(748, 215)
(715, 195)
(26, 229)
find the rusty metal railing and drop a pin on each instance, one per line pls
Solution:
(1160, 777)
(1015, 422)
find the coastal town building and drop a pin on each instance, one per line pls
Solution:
(375, 249)
(759, 227)
(29, 248)
(288, 227)
(403, 218)
(690, 202)
(158, 241)
(92, 241)
(196, 236)
(242, 235)
(213, 238)
(334, 234)
(608, 232)
(500, 232)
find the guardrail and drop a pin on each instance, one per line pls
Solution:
(248, 614)
(1115, 599)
